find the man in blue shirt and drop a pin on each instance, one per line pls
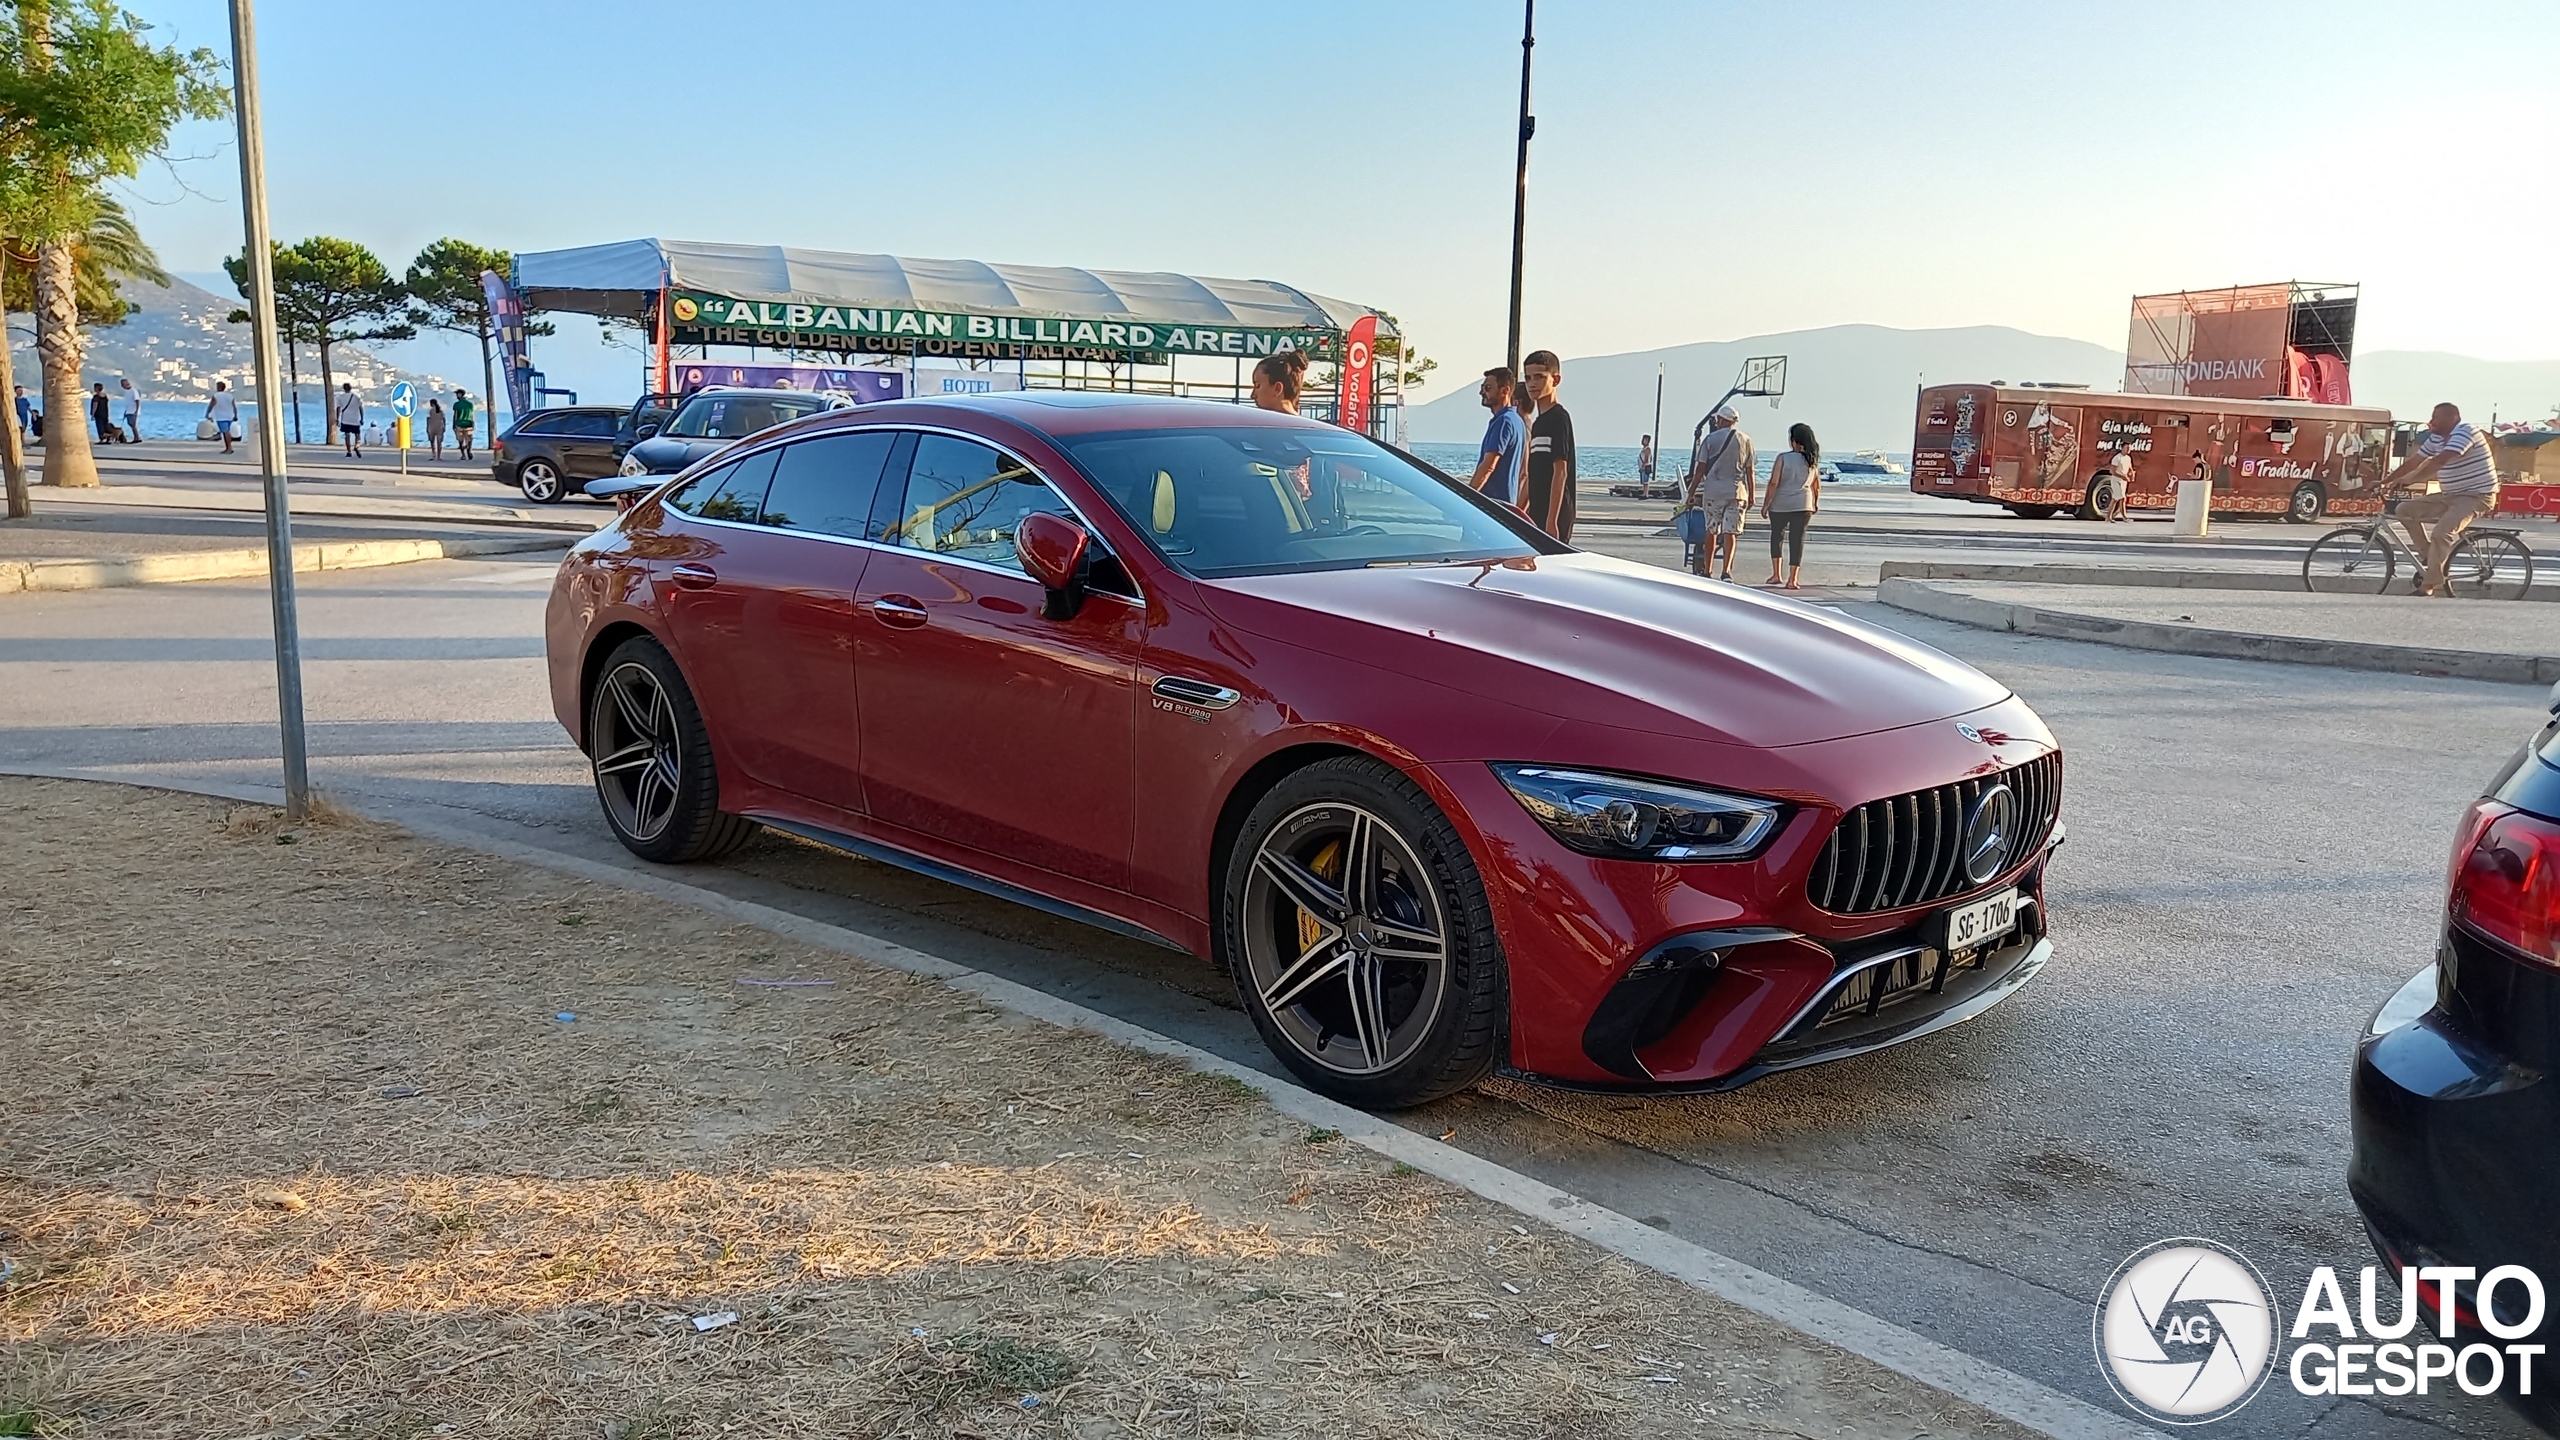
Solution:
(1506, 439)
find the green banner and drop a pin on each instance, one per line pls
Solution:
(700, 318)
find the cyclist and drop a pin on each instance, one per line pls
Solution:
(2456, 456)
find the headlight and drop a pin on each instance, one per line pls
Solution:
(1623, 818)
(631, 466)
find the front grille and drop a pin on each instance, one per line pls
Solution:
(1878, 987)
(1908, 850)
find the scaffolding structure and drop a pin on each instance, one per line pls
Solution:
(2242, 341)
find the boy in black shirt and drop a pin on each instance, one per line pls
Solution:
(1548, 494)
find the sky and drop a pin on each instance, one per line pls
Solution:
(1699, 172)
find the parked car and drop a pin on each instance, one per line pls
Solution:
(551, 454)
(647, 416)
(715, 418)
(1443, 794)
(2454, 1105)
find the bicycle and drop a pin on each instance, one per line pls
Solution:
(2487, 563)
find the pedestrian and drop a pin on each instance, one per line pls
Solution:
(1722, 486)
(224, 411)
(102, 413)
(2198, 470)
(1506, 440)
(1795, 496)
(435, 428)
(464, 413)
(1275, 381)
(348, 410)
(132, 404)
(1548, 492)
(2456, 456)
(26, 410)
(1644, 463)
(2119, 486)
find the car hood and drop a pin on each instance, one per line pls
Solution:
(665, 454)
(1589, 638)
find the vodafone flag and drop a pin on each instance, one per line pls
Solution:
(1359, 374)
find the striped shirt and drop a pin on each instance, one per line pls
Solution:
(2469, 471)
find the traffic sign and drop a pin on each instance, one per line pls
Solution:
(404, 399)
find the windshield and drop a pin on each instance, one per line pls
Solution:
(727, 417)
(1260, 500)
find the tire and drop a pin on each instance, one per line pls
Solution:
(2353, 561)
(2308, 504)
(2033, 512)
(1428, 1027)
(540, 481)
(650, 755)
(2489, 567)
(2093, 500)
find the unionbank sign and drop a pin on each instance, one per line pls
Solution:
(2188, 1332)
(719, 320)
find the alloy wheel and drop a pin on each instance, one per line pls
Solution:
(639, 751)
(1346, 940)
(541, 483)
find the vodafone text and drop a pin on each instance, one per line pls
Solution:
(2355, 1365)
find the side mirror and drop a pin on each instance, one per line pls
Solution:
(2554, 702)
(647, 429)
(1054, 551)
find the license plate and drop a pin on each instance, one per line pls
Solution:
(1977, 921)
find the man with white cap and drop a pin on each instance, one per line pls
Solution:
(1721, 477)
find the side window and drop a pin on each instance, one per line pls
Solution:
(544, 425)
(732, 492)
(965, 499)
(826, 485)
(593, 426)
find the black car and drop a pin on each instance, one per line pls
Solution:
(716, 418)
(552, 454)
(646, 417)
(2456, 1108)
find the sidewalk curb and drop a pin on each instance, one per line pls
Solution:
(1903, 593)
(2130, 576)
(98, 573)
(1908, 1353)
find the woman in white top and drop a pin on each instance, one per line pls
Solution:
(1795, 494)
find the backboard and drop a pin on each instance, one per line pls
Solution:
(1762, 375)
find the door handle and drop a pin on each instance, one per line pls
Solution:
(696, 577)
(898, 611)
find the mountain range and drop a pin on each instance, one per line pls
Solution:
(176, 343)
(1855, 384)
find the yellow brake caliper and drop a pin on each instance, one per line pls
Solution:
(1328, 867)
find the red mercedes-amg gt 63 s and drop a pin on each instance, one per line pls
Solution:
(1445, 796)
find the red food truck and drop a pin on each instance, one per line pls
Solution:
(2037, 450)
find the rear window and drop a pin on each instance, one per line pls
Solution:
(733, 492)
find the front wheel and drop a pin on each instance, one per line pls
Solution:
(2353, 561)
(540, 481)
(2308, 504)
(2093, 501)
(1361, 939)
(2489, 567)
(651, 755)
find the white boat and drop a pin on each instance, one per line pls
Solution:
(1868, 464)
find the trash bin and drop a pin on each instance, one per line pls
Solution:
(2195, 510)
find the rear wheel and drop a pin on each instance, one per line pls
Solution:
(651, 756)
(2489, 567)
(1360, 937)
(539, 479)
(2353, 561)
(2308, 504)
(2093, 501)
(2034, 512)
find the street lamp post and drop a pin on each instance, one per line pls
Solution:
(271, 460)
(1657, 417)
(1520, 197)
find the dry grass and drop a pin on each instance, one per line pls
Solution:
(301, 1147)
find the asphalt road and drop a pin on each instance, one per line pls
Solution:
(2255, 860)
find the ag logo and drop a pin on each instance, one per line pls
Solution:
(686, 309)
(2185, 1331)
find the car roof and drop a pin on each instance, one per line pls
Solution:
(1082, 412)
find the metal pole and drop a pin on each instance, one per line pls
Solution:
(271, 460)
(1657, 419)
(1520, 198)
